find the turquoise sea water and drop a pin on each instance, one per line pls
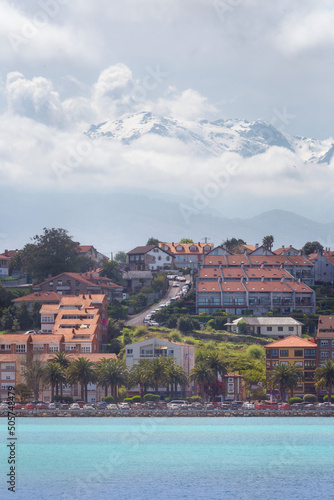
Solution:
(171, 458)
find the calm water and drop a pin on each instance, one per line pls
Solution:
(171, 458)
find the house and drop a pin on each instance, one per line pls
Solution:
(268, 326)
(290, 250)
(4, 266)
(298, 352)
(91, 252)
(187, 255)
(149, 258)
(81, 283)
(234, 388)
(183, 354)
(10, 373)
(133, 281)
(242, 248)
(37, 297)
(323, 266)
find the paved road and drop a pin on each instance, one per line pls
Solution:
(138, 319)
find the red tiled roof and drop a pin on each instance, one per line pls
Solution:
(142, 250)
(292, 341)
(47, 338)
(40, 297)
(11, 338)
(326, 323)
(187, 248)
(209, 286)
(4, 257)
(85, 248)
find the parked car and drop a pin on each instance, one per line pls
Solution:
(41, 406)
(271, 405)
(310, 406)
(260, 406)
(124, 406)
(100, 406)
(248, 406)
(175, 284)
(52, 406)
(326, 405)
(112, 406)
(153, 323)
(136, 406)
(74, 406)
(36, 402)
(4, 406)
(285, 406)
(209, 406)
(64, 406)
(17, 406)
(224, 406)
(87, 407)
(196, 406)
(29, 406)
(81, 403)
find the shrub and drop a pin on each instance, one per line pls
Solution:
(295, 399)
(176, 337)
(151, 397)
(310, 398)
(325, 399)
(135, 399)
(127, 400)
(172, 322)
(108, 399)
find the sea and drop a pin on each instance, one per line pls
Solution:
(180, 458)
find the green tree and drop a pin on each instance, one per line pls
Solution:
(156, 372)
(185, 324)
(312, 247)
(52, 252)
(186, 240)
(23, 392)
(324, 377)
(242, 327)
(6, 322)
(112, 271)
(16, 325)
(285, 377)
(54, 374)
(233, 242)
(33, 374)
(121, 257)
(174, 375)
(81, 371)
(202, 374)
(152, 241)
(22, 315)
(268, 241)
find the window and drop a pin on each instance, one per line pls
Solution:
(284, 353)
(299, 364)
(50, 283)
(332, 343)
(20, 348)
(280, 328)
(291, 328)
(60, 282)
(274, 353)
(6, 366)
(85, 348)
(298, 353)
(129, 351)
(309, 364)
(324, 355)
(269, 328)
(323, 343)
(284, 363)
(53, 349)
(5, 347)
(309, 353)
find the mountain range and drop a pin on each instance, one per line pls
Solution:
(212, 138)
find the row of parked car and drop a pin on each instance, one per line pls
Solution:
(149, 318)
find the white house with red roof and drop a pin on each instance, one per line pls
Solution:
(187, 254)
(149, 258)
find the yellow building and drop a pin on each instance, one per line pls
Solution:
(298, 352)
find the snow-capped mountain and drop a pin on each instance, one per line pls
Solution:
(214, 138)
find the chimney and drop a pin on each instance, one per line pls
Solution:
(6, 253)
(290, 246)
(256, 246)
(262, 279)
(282, 246)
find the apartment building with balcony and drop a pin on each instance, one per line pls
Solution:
(187, 255)
(297, 352)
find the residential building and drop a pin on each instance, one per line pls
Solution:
(37, 297)
(81, 320)
(280, 327)
(298, 352)
(183, 355)
(323, 266)
(13, 343)
(187, 255)
(81, 283)
(149, 258)
(290, 250)
(133, 281)
(325, 342)
(4, 266)
(255, 297)
(234, 388)
(91, 252)
(10, 373)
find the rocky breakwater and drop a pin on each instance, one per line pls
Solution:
(169, 413)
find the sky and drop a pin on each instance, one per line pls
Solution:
(68, 64)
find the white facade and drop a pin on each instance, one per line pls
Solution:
(269, 327)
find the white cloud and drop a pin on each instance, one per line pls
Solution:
(188, 105)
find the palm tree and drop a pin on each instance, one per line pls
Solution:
(54, 374)
(81, 371)
(285, 377)
(324, 378)
(156, 372)
(202, 374)
(139, 375)
(174, 375)
(64, 361)
(111, 372)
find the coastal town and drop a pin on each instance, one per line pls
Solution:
(167, 324)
